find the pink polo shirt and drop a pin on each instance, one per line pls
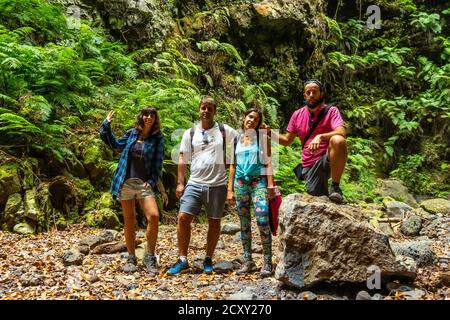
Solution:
(299, 125)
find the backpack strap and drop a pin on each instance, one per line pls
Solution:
(321, 115)
(224, 144)
(222, 131)
(191, 134)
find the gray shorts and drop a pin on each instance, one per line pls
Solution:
(316, 177)
(133, 188)
(213, 198)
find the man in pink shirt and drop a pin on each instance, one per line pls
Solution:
(325, 152)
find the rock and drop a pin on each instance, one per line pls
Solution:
(132, 286)
(407, 262)
(306, 295)
(363, 295)
(438, 228)
(64, 196)
(103, 237)
(323, 242)
(386, 229)
(411, 226)
(83, 248)
(436, 205)
(113, 247)
(24, 228)
(244, 294)
(103, 218)
(223, 267)
(396, 190)
(413, 295)
(92, 276)
(229, 228)
(32, 210)
(422, 213)
(377, 296)
(220, 245)
(444, 278)
(395, 209)
(257, 249)
(13, 212)
(9, 180)
(30, 279)
(72, 258)
(419, 250)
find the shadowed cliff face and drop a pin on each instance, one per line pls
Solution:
(279, 39)
(138, 23)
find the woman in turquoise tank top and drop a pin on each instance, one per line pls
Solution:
(251, 182)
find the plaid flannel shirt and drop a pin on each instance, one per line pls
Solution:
(153, 155)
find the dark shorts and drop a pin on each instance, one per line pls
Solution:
(213, 198)
(316, 177)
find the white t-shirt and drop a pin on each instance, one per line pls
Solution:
(207, 167)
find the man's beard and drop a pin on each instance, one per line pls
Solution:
(313, 105)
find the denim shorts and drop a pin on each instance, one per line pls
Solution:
(195, 196)
(134, 188)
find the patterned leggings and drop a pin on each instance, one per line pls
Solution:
(254, 192)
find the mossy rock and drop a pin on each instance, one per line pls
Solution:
(436, 205)
(13, 212)
(26, 171)
(95, 157)
(103, 218)
(24, 228)
(9, 180)
(396, 190)
(84, 189)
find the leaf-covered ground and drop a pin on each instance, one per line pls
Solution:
(31, 267)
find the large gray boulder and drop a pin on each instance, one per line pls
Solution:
(396, 190)
(322, 241)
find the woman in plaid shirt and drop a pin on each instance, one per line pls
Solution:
(136, 176)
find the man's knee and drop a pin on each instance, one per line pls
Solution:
(185, 219)
(214, 223)
(338, 141)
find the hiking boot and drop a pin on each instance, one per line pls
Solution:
(151, 263)
(130, 264)
(336, 194)
(266, 270)
(247, 267)
(208, 265)
(178, 267)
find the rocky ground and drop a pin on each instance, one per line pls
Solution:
(50, 266)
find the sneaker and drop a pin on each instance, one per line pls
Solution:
(151, 263)
(266, 270)
(336, 194)
(130, 264)
(247, 267)
(178, 267)
(208, 265)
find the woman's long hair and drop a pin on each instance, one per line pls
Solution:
(139, 125)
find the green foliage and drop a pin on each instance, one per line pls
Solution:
(427, 22)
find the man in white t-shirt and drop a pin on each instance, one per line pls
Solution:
(207, 186)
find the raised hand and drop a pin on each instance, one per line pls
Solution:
(109, 117)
